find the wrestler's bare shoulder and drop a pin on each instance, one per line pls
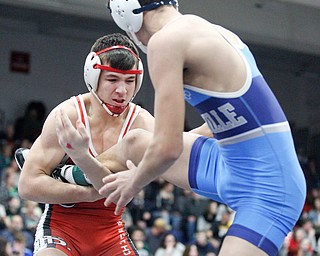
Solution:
(144, 120)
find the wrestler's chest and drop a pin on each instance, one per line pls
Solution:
(104, 140)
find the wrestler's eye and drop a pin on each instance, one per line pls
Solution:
(131, 80)
(111, 79)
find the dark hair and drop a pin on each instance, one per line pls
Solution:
(3, 245)
(38, 107)
(134, 228)
(118, 58)
(20, 238)
(163, 243)
(188, 249)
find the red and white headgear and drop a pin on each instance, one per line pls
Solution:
(128, 15)
(92, 70)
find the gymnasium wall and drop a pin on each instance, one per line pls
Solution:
(56, 71)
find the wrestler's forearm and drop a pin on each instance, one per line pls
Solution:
(110, 161)
(93, 169)
(45, 189)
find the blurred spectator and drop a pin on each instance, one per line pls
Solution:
(15, 226)
(309, 202)
(4, 196)
(164, 201)
(307, 226)
(137, 208)
(126, 217)
(25, 143)
(11, 177)
(302, 157)
(6, 155)
(294, 241)
(5, 247)
(31, 214)
(284, 248)
(19, 246)
(191, 250)
(7, 135)
(155, 233)
(151, 192)
(312, 174)
(220, 228)
(314, 216)
(30, 125)
(166, 207)
(138, 238)
(3, 217)
(305, 248)
(204, 246)
(195, 206)
(14, 206)
(169, 246)
(209, 216)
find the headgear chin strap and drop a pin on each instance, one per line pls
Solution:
(92, 70)
(128, 15)
(111, 110)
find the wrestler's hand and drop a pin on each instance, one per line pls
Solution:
(119, 187)
(75, 142)
(93, 194)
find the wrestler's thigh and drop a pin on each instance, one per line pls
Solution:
(177, 174)
(50, 252)
(237, 246)
(132, 146)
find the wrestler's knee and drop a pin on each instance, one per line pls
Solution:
(137, 138)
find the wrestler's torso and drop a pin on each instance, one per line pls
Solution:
(89, 228)
(245, 113)
(253, 136)
(102, 140)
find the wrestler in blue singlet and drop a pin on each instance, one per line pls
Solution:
(251, 164)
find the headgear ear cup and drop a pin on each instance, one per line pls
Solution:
(139, 79)
(122, 12)
(91, 74)
(123, 16)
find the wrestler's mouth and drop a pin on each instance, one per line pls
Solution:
(118, 102)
